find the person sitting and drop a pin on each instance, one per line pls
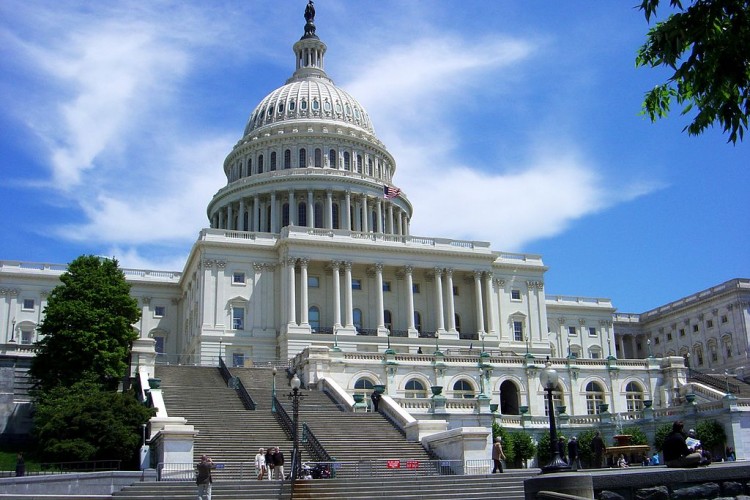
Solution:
(676, 452)
(694, 444)
(654, 459)
(731, 455)
(621, 462)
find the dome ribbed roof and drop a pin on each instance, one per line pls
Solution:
(314, 97)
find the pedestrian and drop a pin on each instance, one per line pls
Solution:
(260, 464)
(375, 396)
(498, 455)
(270, 462)
(20, 465)
(621, 462)
(676, 451)
(575, 459)
(204, 479)
(278, 464)
(598, 449)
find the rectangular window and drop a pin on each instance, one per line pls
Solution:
(415, 287)
(159, 311)
(27, 336)
(238, 359)
(682, 332)
(669, 336)
(159, 346)
(695, 328)
(656, 341)
(313, 282)
(386, 286)
(724, 319)
(571, 330)
(592, 331)
(455, 291)
(356, 284)
(28, 304)
(238, 318)
(515, 295)
(518, 331)
(710, 323)
(638, 346)
(594, 354)
(238, 278)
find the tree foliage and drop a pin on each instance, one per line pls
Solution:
(712, 435)
(544, 452)
(637, 436)
(522, 446)
(87, 327)
(707, 46)
(84, 422)
(584, 446)
(660, 435)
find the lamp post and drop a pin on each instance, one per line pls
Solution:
(13, 332)
(221, 341)
(295, 384)
(273, 392)
(549, 378)
(650, 353)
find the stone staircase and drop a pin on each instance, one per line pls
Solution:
(228, 433)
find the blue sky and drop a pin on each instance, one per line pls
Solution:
(511, 122)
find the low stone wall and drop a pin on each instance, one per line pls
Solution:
(721, 481)
(89, 483)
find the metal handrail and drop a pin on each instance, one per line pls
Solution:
(285, 421)
(313, 445)
(713, 382)
(245, 397)
(224, 371)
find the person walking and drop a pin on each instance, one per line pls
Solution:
(561, 449)
(573, 457)
(204, 479)
(376, 397)
(20, 465)
(270, 462)
(498, 455)
(260, 464)
(598, 449)
(278, 464)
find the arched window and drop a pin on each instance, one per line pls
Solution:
(313, 317)
(249, 166)
(347, 161)
(287, 158)
(415, 389)
(594, 397)
(388, 319)
(457, 319)
(332, 159)
(335, 213)
(285, 215)
(369, 166)
(303, 105)
(302, 214)
(318, 158)
(291, 105)
(634, 396)
(363, 386)
(315, 105)
(359, 164)
(373, 221)
(557, 400)
(318, 214)
(302, 158)
(509, 398)
(273, 160)
(260, 164)
(463, 389)
(418, 321)
(357, 314)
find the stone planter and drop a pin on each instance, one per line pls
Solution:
(436, 390)
(359, 398)
(154, 383)
(561, 409)
(523, 409)
(648, 403)
(603, 407)
(623, 439)
(380, 389)
(690, 398)
(494, 407)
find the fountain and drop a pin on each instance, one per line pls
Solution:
(623, 445)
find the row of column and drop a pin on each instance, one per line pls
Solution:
(357, 214)
(444, 298)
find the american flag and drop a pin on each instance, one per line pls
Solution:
(390, 192)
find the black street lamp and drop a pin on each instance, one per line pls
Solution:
(295, 396)
(13, 332)
(273, 392)
(549, 379)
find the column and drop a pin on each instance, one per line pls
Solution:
(230, 218)
(292, 316)
(256, 213)
(348, 302)
(365, 215)
(389, 223)
(347, 216)
(329, 209)
(439, 299)
(310, 209)
(303, 292)
(399, 222)
(379, 211)
(274, 214)
(409, 297)
(478, 293)
(292, 208)
(499, 285)
(241, 216)
(379, 292)
(621, 343)
(491, 312)
(336, 294)
(633, 346)
(451, 303)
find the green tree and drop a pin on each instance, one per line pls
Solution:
(84, 422)
(508, 446)
(660, 435)
(522, 447)
(637, 435)
(707, 46)
(87, 327)
(712, 435)
(544, 453)
(584, 447)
